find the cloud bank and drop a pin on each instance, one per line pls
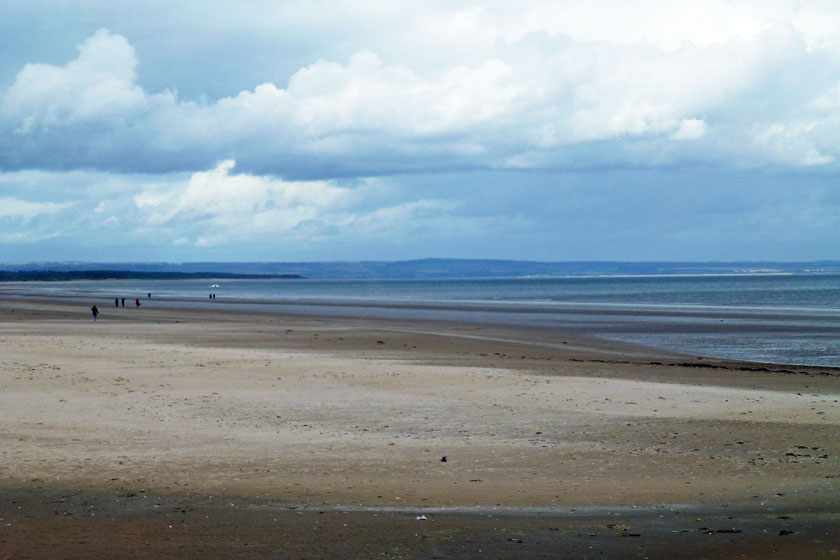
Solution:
(541, 100)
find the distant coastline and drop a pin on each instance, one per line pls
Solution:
(409, 269)
(70, 275)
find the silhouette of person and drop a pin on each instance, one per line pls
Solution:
(116, 302)
(137, 302)
(94, 311)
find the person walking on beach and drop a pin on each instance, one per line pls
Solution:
(94, 311)
(137, 302)
(116, 302)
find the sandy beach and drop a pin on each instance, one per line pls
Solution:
(165, 432)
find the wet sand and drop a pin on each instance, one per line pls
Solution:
(166, 432)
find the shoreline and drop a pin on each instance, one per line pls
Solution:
(641, 309)
(288, 416)
(618, 324)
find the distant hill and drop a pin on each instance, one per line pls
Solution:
(423, 268)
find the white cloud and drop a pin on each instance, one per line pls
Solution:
(99, 86)
(690, 129)
(535, 85)
(793, 143)
(368, 96)
(220, 207)
(240, 205)
(24, 210)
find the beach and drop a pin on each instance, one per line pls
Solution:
(206, 432)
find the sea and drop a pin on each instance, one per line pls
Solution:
(784, 319)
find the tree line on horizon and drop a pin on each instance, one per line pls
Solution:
(68, 275)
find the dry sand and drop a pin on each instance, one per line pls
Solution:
(173, 433)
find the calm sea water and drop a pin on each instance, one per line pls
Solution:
(782, 319)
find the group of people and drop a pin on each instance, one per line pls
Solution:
(117, 302)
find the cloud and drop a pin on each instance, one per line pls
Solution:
(223, 213)
(219, 207)
(367, 96)
(529, 94)
(24, 222)
(25, 237)
(230, 206)
(96, 87)
(229, 214)
(23, 210)
(690, 129)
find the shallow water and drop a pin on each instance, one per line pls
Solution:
(782, 319)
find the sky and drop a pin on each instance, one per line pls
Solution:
(265, 130)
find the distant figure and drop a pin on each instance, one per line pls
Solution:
(137, 302)
(116, 302)
(94, 311)
(123, 302)
(214, 297)
(149, 295)
(210, 296)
